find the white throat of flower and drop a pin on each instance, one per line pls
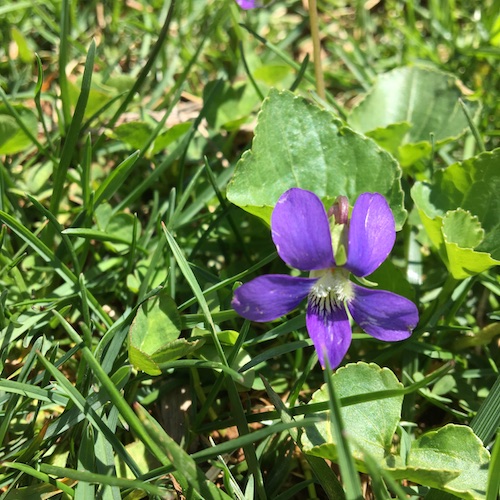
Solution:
(332, 289)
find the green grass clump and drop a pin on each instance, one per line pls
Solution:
(125, 373)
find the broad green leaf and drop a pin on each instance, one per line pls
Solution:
(370, 426)
(452, 458)
(455, 460)
(298, 144)
(425, 99)
(460, 213)
(153, 335)
(12, 138)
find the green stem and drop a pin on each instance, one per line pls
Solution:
(318, 70)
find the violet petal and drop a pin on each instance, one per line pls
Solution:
(384, 315)
(372, 234)
(330, 332)
(247, 4)
(270, 296)
(301, 231)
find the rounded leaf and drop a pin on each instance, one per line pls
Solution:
(369, 425)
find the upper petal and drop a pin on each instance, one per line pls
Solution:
(270, 296)
(384, 315)
(301, 231)
(372, 234)
(330, 332)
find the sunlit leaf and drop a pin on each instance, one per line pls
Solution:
(425, 99)
(451, 458)
(297, 144)
(467, 237)
(153, 335)
(370, 426)
(453, 450)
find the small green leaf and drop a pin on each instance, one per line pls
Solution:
(409, 154)
(8, 128)
(297, 144)
(153, 335)
(134, 134)
(157, 322)
(179, 348)
(226, 337)
(142, 361)
(370, 426)
(154, 364)
(462, 228)
(120, 226)
(12, 138)
(467, 237)
(392, 138)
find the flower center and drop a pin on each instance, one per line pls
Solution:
(331, 290)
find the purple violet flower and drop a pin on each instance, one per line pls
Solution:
(330, 250)
(247, 4)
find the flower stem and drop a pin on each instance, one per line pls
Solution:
(318, 71)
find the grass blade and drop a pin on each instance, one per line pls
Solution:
(350, 477)
(487, 420)
(73, 132)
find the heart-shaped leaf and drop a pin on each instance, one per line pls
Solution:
(297, 144)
